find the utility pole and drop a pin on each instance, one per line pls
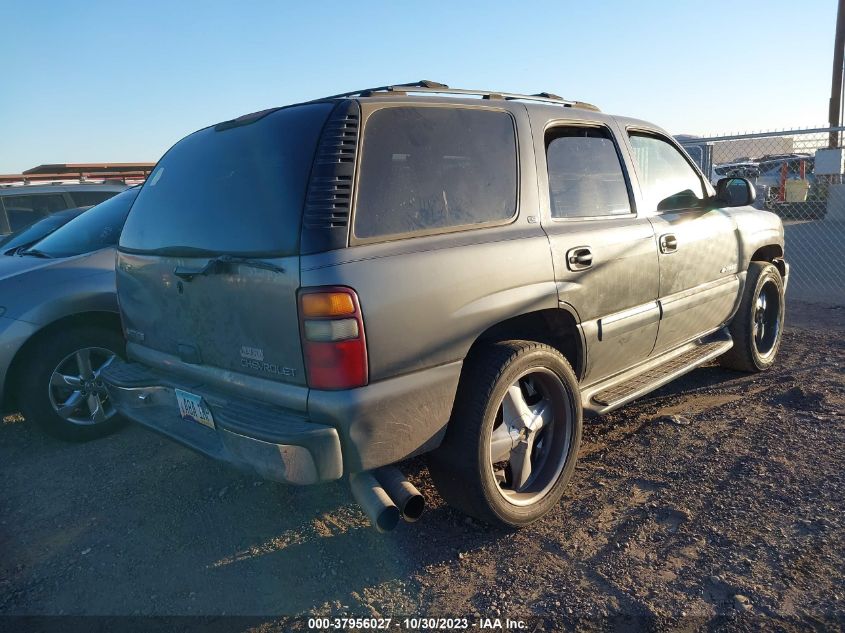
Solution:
(836, 82)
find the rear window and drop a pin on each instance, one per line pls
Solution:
(90, 198)
(428, 169)
(235, 189)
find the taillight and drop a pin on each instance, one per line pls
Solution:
(333, 341)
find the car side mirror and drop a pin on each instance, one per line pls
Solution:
(734, 192)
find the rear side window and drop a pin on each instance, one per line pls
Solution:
(21, 218)
(90, 198)
(230, 189)
(39, 204)
(585, 174)
(427, 169)
(23, 210)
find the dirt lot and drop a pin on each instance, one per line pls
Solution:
(720, 498)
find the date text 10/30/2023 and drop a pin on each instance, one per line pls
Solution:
(415, 624)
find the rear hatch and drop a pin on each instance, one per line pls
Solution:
(208, 264)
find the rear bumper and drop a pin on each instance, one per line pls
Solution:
(275, 443)
(383, 423)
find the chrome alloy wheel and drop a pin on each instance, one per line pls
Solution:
(531, 437)
(766, 315)
(76, 391)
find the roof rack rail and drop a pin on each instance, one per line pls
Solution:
(434, 87)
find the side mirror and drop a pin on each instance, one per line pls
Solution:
(734, 192)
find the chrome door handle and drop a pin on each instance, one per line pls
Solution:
(668, 243)
(579, 258)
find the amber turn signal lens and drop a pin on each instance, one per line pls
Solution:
(327, 304)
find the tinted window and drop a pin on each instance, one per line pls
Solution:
(230, 189)
(22, 218)
(425, 169)
(97, 228)
(90, 198)
(38, 230)
(585, 174)
(25, 209)
(666, 178)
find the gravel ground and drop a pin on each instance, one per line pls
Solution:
(718, 499)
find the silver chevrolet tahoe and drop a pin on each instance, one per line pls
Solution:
(329, 288)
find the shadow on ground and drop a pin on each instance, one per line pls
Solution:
(660, 518)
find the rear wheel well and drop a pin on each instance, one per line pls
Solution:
(555, 327)
(107, 320)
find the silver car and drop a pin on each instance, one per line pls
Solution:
(59, 324)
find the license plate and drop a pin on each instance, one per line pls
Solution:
(194, 409)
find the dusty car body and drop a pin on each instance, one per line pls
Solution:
(439, 273)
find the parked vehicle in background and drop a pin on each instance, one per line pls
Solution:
(22, 205)
(334, 286)
(741, 169)
(59, 324)
(777, 173)
(769, 174)
(771, 169)
(38, 230)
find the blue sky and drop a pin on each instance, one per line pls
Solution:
(96, 81)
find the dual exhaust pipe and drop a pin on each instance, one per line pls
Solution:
(385, 496)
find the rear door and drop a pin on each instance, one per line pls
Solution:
(604, 253)
(697, 245)
(208, 264)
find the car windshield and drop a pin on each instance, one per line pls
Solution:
(95, 229)
(37, 230)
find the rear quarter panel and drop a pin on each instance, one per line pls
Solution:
(426, 299)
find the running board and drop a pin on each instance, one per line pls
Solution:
(656, 372)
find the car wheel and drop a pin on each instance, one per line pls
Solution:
(513, 439)
(757, 327)
(60, 386)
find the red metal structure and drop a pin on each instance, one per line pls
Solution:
(81, 172)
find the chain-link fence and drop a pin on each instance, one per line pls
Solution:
(799, 176)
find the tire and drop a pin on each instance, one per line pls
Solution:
(465, 470)
(754, 348)
(52, 375)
